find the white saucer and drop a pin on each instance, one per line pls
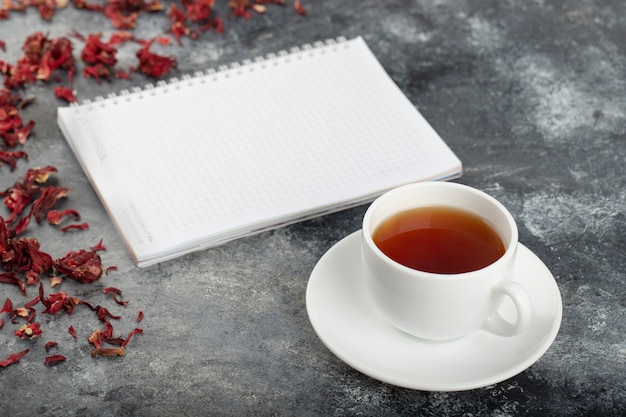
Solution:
(346, 323)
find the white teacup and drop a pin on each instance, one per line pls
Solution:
(444, 306)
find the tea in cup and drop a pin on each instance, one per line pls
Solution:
(438, 259)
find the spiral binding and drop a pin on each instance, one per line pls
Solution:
(210, 72)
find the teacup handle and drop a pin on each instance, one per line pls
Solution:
(496, 324)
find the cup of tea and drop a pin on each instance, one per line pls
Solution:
(438, 259)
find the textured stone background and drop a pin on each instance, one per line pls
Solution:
(531, 95)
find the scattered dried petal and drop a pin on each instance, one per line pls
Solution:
(13, 358)
(152, 64)
(54, 359)
(297, 4)
(12, 278)
(98, 247)
(65, 93)
(139, 316)
(55, 216)
(108, 352)
(28, 331)
(116, 292)
(54, 281)
(104, 313)
(11, 158)
(72, 331)
(83, 266)
(79, 226)
(8, 307)
(50, 345)
(48, 197)
(130, 335)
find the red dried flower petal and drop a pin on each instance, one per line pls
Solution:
(60, 301)
(54, 281)
(8, 307)
(81, 226)
(55, 216)
(22, 312)
(130, 335)
(108, 352)
(116, 292)
(13, 358)
(23, 255)
(152, 64)
(12, 129)
(10, 158)
(28, 331)
(104, 313)
(65, 93)
(96, 338)
(98, 247)
(139, 316)
(42, 56)
(50, 345)
(92, 7)
(12, 278)
(48, 197)
(297, 4)
(97, 52)
(72, 331)
(54, 359)
(83, 266)
(32, 302)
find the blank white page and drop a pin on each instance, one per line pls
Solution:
(203, 160)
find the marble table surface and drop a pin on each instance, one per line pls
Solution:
(531, 95)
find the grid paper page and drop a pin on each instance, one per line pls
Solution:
(222, 155)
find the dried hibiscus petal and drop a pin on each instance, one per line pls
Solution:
(23, 255)
(130, 335)
(72, 331)
(153, 64)
(65, 93)
(10, 158)
(83, 266)
(60, 301)
(8, 307)
(104, 313)
(48, 197)
(54, 281)
(13, 358)
(108, 352)
(28, 331)
(55, 216)
(50, 345)
(300, 9)
(12, 278)
(12, 129)
(80, 226)
(54, 359)
(98, 247)
(42, 56)
(116, 292)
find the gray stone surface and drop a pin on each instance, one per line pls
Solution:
(531, 95)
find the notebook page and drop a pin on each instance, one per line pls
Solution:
(243, 149)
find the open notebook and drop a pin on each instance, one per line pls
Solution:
(205, 159)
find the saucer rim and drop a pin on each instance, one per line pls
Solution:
(415, 383)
